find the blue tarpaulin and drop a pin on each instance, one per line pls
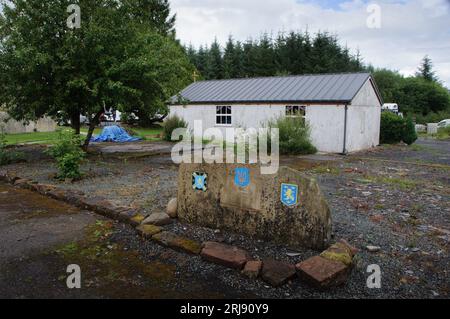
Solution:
(114, 134)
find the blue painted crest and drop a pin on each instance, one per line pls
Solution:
(242, 177)
(289, 194)
(200, 181)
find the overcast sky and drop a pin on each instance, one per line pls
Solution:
(409, 29)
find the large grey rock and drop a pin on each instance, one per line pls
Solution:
(256, 210)
(157, 219)
(172, 208)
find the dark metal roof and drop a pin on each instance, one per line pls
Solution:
(303, 88)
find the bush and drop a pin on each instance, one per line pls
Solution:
(294, 136)
(68, 154)
(171, 124)
(392, 128)
(409, 133)
(8, 156)
(443, 133)
(432, 117)
(395, 129)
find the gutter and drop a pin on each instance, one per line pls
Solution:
(344, 151)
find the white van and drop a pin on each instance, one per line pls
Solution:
(390, 107)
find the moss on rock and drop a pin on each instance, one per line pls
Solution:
(339, 252)
(149, 230)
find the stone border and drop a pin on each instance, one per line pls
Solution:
(329, 269)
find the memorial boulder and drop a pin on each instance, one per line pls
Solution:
(287, 207)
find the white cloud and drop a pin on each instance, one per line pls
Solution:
(409, 31)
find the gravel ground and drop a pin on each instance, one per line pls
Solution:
(396, 197)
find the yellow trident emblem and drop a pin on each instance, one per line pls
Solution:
(289, 194)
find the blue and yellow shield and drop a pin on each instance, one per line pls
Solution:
(200, 181)
(242, 177)
(289, 194)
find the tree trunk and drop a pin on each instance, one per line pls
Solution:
(148, 122)
(75, 122)
(92, 125)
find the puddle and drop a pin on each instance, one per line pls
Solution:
(30, 205)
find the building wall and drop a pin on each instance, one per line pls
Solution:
(243, 115)
(10, 126)
(326, 121)
(364, 118)
(327, 127)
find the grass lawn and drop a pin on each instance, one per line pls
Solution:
(149, 134)
(32, 138)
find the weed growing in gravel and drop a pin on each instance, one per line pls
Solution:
(326, 170)
(8, 156)
(68, 154)
(417, 148)
(402, 183)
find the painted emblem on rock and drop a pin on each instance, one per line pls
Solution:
(200, 181)
(289, 194)
(242, 177)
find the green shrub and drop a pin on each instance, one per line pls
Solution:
(409, 132)
(443, 133)
(294, 136)
(8, 156)
(432, 117)
(68, 155)
(395, 129)
(171, 124)
(392, 128)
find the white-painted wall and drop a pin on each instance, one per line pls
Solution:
(364, 117)
(327, 127)
(326, 121)
(243, 115)
(10, 126)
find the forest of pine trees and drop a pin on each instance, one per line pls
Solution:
(287, 54)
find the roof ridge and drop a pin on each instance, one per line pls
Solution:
(305, 87)
(284, 76)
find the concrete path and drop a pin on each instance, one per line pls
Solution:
(40, 237)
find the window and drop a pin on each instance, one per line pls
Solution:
(223, 115)
(296, 111)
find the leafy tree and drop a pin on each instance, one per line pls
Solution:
(155, 13)
(214, 66)
(229, 68)
(293, 53)
(264, 64)
(249, 61)
(114, 60)
(426, 70)
(238, 56)
(202, 60)
(389, 83)
(415, 95)
(420, 96)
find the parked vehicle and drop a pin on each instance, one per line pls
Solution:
(444, 123)
(390, 107)
(111, 115)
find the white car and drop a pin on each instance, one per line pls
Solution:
(444, 123)
(390, 107)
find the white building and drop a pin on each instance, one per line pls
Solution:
(343, 110)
